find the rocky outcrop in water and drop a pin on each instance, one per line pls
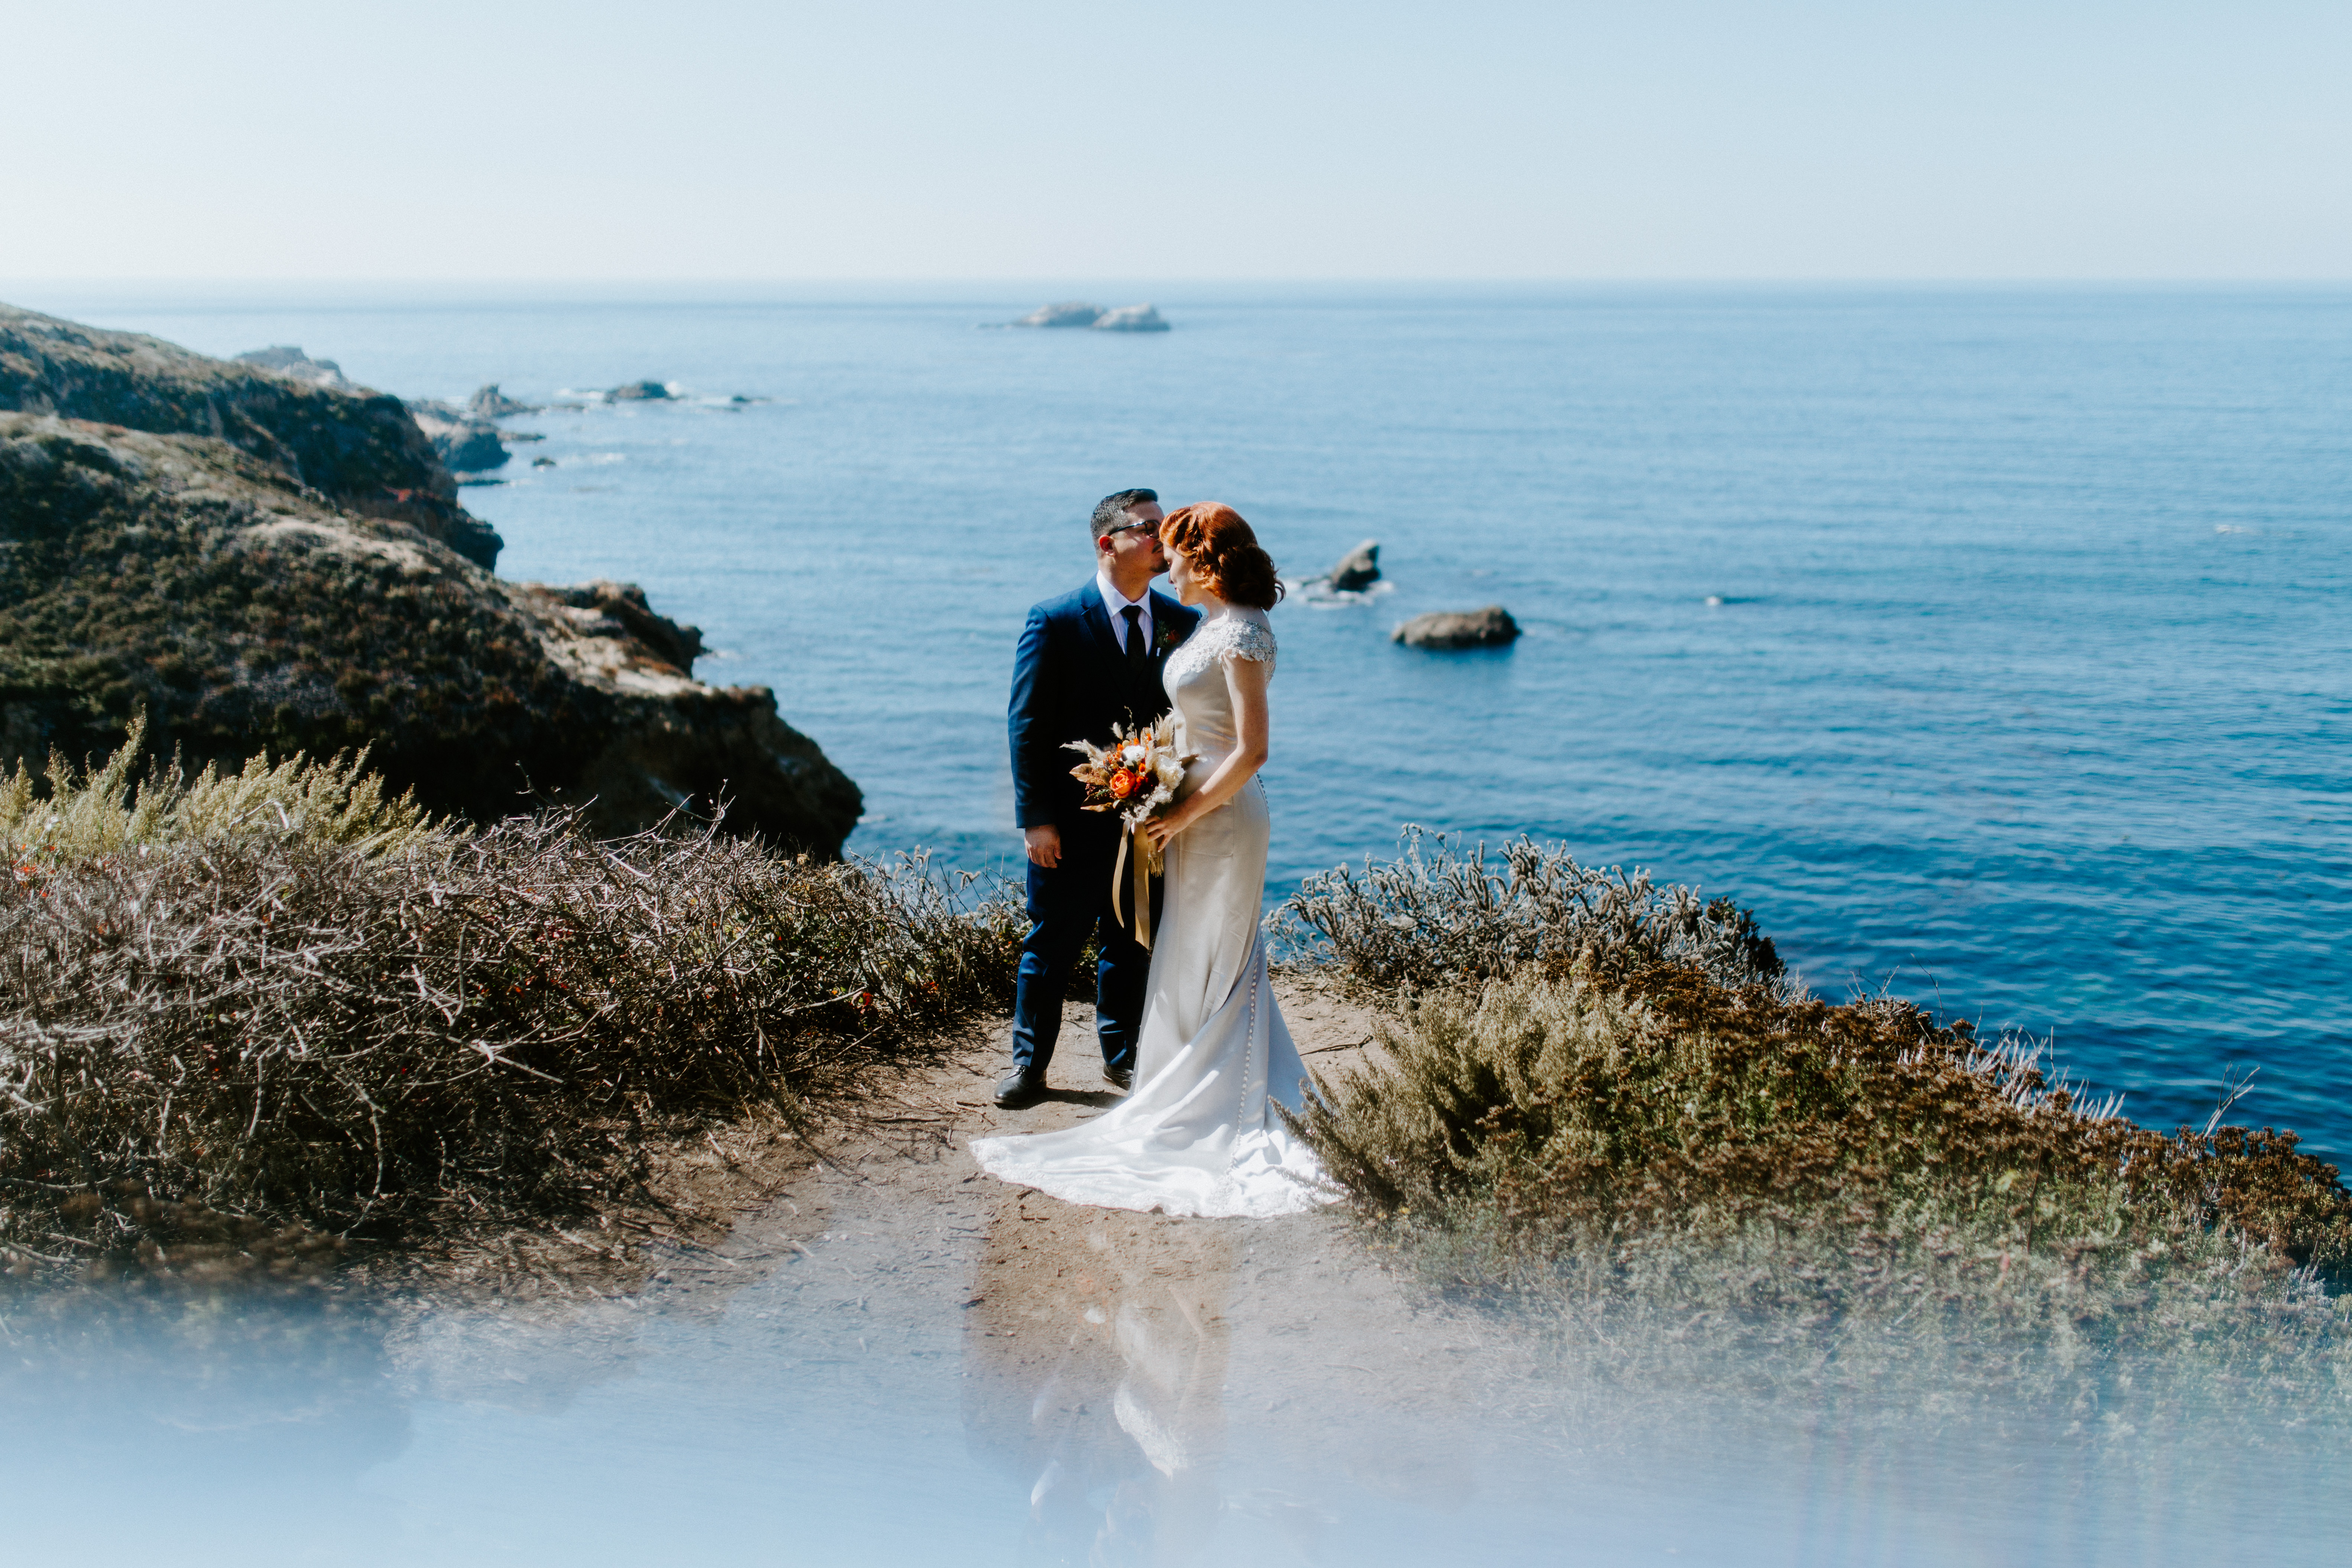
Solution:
(639, 392)
(466, 437)
(1489, 627)
(289, 361)
(490, 403)
(1069, 313)
(167, 545)
(1358, 570)
(1131, 318)
(358, 449)
(465, 442)
(1078, 313)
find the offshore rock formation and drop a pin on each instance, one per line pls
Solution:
(1489, 627)
(289, 361)
(1358, 570)
(490, 403)
(467, 438)
(465, 443)
(1068, 313)
(1078, 313)
(1131, 318)
(257, 563)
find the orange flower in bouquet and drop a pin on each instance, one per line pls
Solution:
(1137, 776)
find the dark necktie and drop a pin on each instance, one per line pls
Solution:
(1138, 655)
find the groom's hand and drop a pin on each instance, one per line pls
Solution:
(1044, 845)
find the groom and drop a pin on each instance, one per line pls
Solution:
(1088, 661)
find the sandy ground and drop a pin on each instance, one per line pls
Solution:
(890, 1200)
(729, 1198)
(1098, 1347)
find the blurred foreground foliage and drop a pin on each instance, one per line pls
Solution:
(273, 1011)
(1604, 1098)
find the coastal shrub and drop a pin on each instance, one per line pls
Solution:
(228, 1035)
(1442, 913)
(1781, 1169)
(82, 816)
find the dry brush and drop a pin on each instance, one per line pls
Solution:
(273, 1035)
(1605, 1099)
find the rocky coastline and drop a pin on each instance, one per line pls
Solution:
(263, 556)
(298, 1031)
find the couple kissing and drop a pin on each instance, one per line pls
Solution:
(1189, 1028)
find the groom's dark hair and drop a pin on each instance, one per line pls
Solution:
(1112, 509)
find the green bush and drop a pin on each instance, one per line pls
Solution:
(1780, 1175)
(1442, 913)
(83, 816)
(1575, 1110)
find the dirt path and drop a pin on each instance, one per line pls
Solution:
(1094, 1347)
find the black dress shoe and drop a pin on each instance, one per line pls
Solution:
(1022, 1086)
(1119, 1078)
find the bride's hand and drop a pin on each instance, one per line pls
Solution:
(1160, 829)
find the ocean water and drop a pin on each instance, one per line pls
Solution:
(1993, 645)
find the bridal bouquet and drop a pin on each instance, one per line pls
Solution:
(1137, 776)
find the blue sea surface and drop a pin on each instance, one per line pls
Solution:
(1992, 645)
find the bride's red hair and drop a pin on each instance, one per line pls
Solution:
(1214, 537)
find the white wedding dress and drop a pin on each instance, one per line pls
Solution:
(1199, 1135)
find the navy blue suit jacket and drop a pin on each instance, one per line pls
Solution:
(1070, 682)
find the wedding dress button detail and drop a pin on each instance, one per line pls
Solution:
(1199, 1135)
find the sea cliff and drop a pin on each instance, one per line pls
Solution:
(257, 561)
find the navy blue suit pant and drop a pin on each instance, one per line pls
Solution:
(1068, 905)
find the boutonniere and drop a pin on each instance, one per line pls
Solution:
(1168, 637)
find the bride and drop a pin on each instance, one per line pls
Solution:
(1199, 1135)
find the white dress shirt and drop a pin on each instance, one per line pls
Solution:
(1117, 603)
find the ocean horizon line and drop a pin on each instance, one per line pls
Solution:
(991, 290)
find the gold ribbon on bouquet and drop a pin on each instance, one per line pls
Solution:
(1149, 863)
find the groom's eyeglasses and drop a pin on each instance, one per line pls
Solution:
(1129, 528)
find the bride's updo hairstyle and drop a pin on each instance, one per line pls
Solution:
(1212, 536)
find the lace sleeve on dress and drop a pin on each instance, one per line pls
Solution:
(1249, 640)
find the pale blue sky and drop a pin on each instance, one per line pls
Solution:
(900, 138)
